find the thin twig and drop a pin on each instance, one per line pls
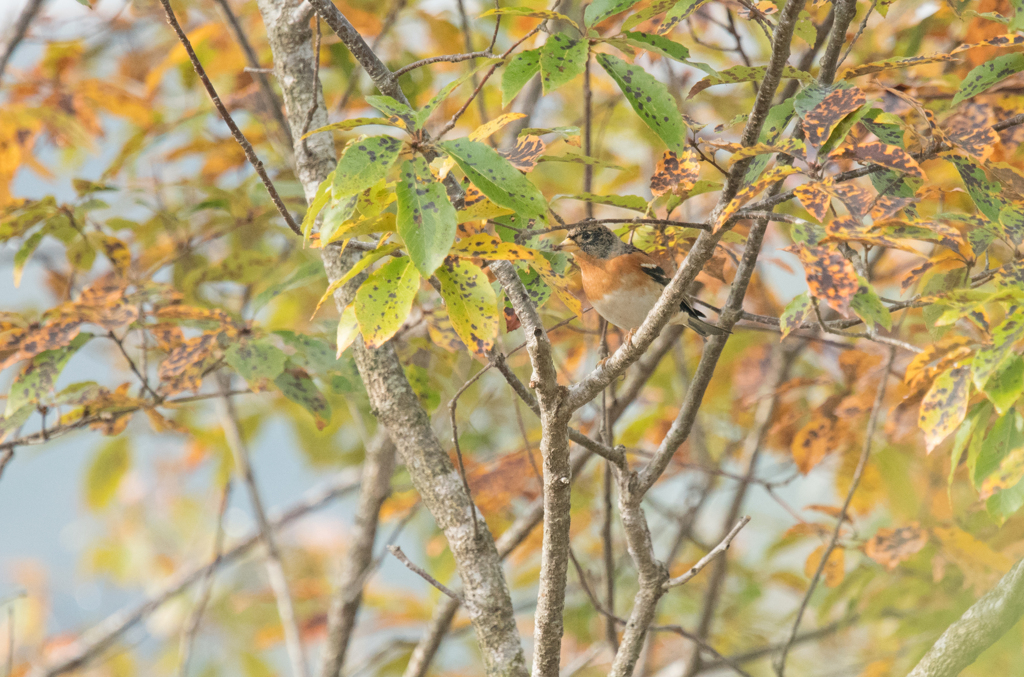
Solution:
(247, 148)
(272, 561)
(422, 573)
(19, 31)
(706, 559)
(191, 630)
(780, 662)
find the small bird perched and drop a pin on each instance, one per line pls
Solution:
(623, 282)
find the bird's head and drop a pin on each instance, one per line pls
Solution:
(595, 241)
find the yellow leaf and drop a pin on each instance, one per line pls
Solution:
(835, 568)
(105, 472)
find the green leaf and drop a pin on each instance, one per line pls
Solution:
(656, 8)
(650, 99)
(320, 200)
(989, 358)
(24, 253)
(1003, 504)
(738, 74)
(389, 106)
(426, 219)
(352, 123)
(657, 44)
(385, 299)
(256, 360)
(600, 10)
(535, 286)
(338, 212)
(297, 386)
(311, 353)
(299, 278)
(518, 72)
(986, 193)
(40, 375)
(1006, 385)
(774, 125)
(988, 74)
(634, 202)
(364, 163)
(869, 307)
(107, 469)
(1011, 218)
(1004, 437)
(545, 14)
(496, 178)
(795, 313)
(678, 13)
(973, 426)
(887, 132)
(472, 304)
(562, 58)
(423, 114)
(12, 422)
(348, 330)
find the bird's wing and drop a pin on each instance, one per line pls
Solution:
(657, 273)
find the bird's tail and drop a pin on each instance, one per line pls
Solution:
(689, 316)
(703, 328)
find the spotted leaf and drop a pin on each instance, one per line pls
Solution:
(600, 10)
(517, 73)
(496, 178)
(944, 405)
(676, 173)
(813, 442)
(795, 313)
(29, 343)
(562, 58)
(364, 163)
(893, 64)
(989, 358)
(814, 198)
(40, 375)
(258, 361)
(988, 74)
(822, 119)
(830, 276)
(297, 386)
(634, 202)
(868, 307)
(384, 300)
(426, 219)
(751, 190)
(889, 547)
(892, 157)
(489, 247)
(736, 74)
(524, 155)
(650, 99)
(678, 13)
(472, 303)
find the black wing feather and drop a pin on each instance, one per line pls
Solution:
(657, 273)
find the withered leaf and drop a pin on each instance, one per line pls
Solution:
(944, 405)
(676, 173)
(822, 119)
(523, 156)
(830, 276)
(889, 547)
(814, 198)
(891, 157)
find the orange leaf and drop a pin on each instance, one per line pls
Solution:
(675, 173)
(835, 567)
(889, 547)
(814, 198)
(822, 119)
(813, 442)
(944, 405)
(830, 276)
(891, 157)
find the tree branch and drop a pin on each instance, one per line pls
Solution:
(375, 486)
(273, 563)
(19, 32)
(96, 640)
(706, 559)
(982, 625)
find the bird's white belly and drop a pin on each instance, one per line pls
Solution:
(625, 309)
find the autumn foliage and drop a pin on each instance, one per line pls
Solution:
(865, 411)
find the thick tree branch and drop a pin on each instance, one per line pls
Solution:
(554, 447)
(982, 625)
(19, 31)
(393, 401)
(375, 487)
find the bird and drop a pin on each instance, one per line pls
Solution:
(624, 282)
